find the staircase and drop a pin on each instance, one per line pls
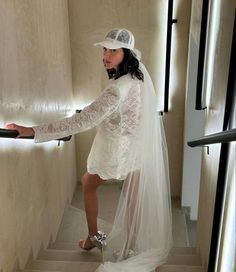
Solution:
(68, 258)
(64, 254)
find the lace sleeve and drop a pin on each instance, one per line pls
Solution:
(89, 117)
(131, 111)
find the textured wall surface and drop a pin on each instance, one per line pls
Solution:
(90, 21)
(35, 86)
(214, 114)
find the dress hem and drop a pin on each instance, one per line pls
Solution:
(104, 177)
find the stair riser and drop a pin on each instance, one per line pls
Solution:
(66, 255)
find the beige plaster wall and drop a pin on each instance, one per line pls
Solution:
(213, 117)
(90, 21)
(35, 86)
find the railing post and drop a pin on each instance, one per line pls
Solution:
(170, 21)
(218, 209)
(201, 56)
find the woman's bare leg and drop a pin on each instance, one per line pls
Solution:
(90, 184)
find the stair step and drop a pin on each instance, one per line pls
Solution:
(175, 259)
(65, 266)
(70, 261)
(71, 255)
(184, 250)
(63, 246)
(73, 246)
(42, 266)
(30, 270)
(56, 266)
(177, 256)
(179, 268)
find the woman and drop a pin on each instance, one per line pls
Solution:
(130, 146)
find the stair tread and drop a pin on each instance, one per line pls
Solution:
(184, 250)
(74, 246)
(71, 255)
(176, 257)
(46, 265)
(37, 270)
(55, 266)
(179, 268)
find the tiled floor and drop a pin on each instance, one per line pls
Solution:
(73, 226)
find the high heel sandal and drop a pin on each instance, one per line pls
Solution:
(98, 240)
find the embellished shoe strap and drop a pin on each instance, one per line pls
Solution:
(99, 239)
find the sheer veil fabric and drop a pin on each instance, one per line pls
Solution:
(141, 237)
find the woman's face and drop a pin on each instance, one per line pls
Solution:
(112, 57)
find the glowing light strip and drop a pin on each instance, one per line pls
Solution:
(228, 245)
(214, 28)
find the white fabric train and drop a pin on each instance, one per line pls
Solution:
(141, 237)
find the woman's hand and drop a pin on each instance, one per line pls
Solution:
(23, 131)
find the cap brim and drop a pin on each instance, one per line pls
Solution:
(108, 44)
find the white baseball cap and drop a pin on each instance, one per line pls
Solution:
(120, 38)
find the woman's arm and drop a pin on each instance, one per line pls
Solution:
(89, 117)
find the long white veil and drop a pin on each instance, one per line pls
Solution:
(141, 237)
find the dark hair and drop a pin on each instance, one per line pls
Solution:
(129, 65)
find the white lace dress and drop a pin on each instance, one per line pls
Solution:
(116, 113)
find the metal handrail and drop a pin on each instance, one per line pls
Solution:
(224, 138)
(221, 137)
(11, 133)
